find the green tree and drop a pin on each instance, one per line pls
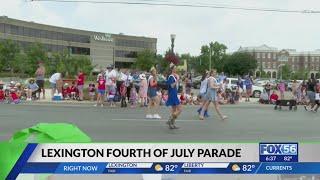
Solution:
(9, 51)
(286, 72)
(239, 63)
(34, 54)
(218, 56)
(145, 60)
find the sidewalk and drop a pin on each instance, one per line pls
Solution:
(49, 100)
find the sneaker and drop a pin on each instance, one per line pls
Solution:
(199, 110)
(206, 114)
(28, 99)
(95, 105)
(101, 105)
(149, 116)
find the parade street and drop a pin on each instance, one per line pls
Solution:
(248, 122)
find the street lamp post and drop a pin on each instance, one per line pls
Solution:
(210, 53)
(173, 37)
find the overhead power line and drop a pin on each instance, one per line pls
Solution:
(201, 5)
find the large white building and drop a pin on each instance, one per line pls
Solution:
(270, 59)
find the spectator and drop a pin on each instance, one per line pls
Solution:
(112, 92)
(101, 91)
(143, 89)
(2, 93)
(40, 75)
(311, 87)
(281, 88)
(264, 97)
(80, 84)
(123, 93)
(183, 98)
(32, 89)
(268, 89)
(56, 83)
(248, 85)
(92, 91)
(133, 96)
(164, 97)
(14, 98)
(188, 84)
(73, 91)
(66, 91)
(274, 97)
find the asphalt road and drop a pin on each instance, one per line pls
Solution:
(247, 123)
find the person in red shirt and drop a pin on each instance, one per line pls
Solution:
(274, 97)
(14, 96)
(2, 94)
(73, 90)
(80, 84)
(66, 91)
(183, 99)
(101, 90)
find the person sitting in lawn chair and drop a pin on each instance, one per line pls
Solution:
(32, 90)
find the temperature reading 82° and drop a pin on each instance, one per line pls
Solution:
(248, 167)
(171, 168)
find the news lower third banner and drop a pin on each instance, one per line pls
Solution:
(171, 158)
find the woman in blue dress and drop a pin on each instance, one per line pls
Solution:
(211, 95)
(173, 101)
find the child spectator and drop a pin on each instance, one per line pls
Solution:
(282, 89)
(164, 97)
(112, 93)
(92, 91)
(123, 93)
(101, 91)
(183, 99)
(274, 97)
(133, 96)
(14, 97)
(73, 91)
(66, 91)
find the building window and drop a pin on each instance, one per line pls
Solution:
(134, 43)
(312, 59)
(263, 65)
(274, 65)
(274, 56)
(258, 55)
(306, 58)
(306, 66)
(263, 55)
(80, 50)
(2, 27)
(292, 67)
(269, 55)
(126, 54)
(269, 65)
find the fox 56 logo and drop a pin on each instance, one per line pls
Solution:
(278, 149)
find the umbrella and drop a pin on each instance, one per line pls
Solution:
(11, 150)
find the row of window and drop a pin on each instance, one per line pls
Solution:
(294, 66)
(264, 55)
(126, 54)
(38, 33)
(56, 48)
(306, 58)
(135, 43)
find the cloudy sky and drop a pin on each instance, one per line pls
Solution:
(193, 26)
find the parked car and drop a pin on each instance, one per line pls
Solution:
(256, 90)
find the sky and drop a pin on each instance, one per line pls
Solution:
(193, 27)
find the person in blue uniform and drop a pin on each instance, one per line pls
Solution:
(173, 100)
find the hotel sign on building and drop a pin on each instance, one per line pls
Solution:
(102, 48)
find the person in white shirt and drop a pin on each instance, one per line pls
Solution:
(56, 83)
